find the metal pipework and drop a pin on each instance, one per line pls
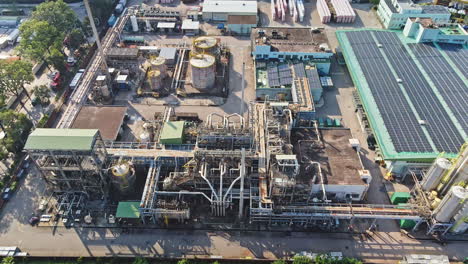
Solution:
(203, 172)
(324, 197)
(185, 193)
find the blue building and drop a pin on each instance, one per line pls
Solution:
(292, 44)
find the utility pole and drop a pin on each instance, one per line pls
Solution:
(96, 36)
(243, 88)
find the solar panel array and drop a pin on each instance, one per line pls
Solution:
(279, 75)
(458, 55)
(314, 78)
(299, 70)
(400, 122)
(442, 131)
(448, 83)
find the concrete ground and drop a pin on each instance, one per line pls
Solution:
(240, 52)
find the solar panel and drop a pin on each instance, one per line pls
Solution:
(286, 81)
(299, 70)
(314, 78)
(273, 82)
(400, 122)
(443, 133)
(285, 74)
(448, 83)
(283, 67)
(458, 55)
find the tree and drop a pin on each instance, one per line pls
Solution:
(75, 38)
(8, 260)
(17, 127)
(39, 39)
(57, 14)
(42, 94)
(374, 2)
(279, 261)
(301, 260)
(14, 75)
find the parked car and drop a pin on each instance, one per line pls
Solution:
(34, 220)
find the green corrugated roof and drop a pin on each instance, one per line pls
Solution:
(172, 130)
(61, 139)
(128, 210)
(376, 121)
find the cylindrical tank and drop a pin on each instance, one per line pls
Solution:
(206, 45)
(134, 22)
(105, 91)
(123, 175)
(203, 71)
(155, 79)
(159, 64)
(460, 226)
(435, 173)
(451, 204)
(145, 137)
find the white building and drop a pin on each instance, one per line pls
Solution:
(394, 13)
(219, 10)
(424, 30)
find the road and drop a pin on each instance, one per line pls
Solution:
(384, 247)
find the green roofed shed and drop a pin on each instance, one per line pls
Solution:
(172, 133)
(61, 139)
(128, 210)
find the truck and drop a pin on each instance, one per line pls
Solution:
(13, 36)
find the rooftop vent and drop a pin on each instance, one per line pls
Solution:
(379, 45)
(422, 122)
(399, 80)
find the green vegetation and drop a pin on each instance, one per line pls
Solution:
(42, 36)
(321, 259)
(17, 127)
(14, 75)
(374, 2)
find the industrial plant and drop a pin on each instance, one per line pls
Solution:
(124, 154)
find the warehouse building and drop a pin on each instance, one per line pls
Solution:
(414, 95)
(220, 10)
(241, 25)
(394, 13)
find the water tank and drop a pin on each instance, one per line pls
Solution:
(155, 79)
(203, 71)
(159, 64)
(435, 174)
(206, 45)
(123, 175)
(460, 226)
(134, 22)
(451, 204)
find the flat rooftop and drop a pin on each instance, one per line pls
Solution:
(339, 162)
(61, 139)
(284, 39)
(415, 95)
(108, 119)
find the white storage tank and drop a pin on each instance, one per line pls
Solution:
(451, 204)
(134, 22)
(206, 45)
(435, 174)
(159, 64)
(155, 80)
(203, 71)
(460, 226)
(123, 175)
